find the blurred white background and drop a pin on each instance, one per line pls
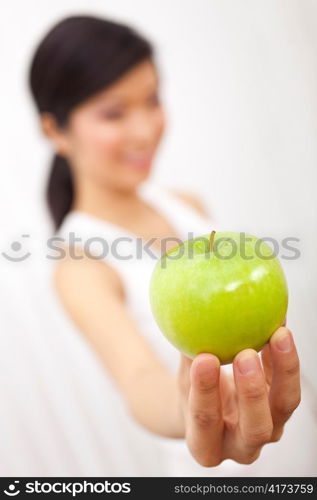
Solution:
(239, 79)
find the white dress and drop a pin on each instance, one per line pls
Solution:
(124, 447)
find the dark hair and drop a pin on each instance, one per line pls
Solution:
(77, 58)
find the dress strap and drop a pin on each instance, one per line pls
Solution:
(187, 220)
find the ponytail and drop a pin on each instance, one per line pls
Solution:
(60, 189)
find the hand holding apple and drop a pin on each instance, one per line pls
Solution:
(220, 303)
(229, 416)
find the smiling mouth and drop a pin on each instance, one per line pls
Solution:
(138, 160)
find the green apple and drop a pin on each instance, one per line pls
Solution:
(219, 293)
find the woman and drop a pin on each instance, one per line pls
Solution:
(95, 85)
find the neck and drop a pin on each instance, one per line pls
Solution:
(104, 201)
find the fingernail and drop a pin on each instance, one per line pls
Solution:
(247, 363)
(283, 342)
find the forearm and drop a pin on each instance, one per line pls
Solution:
(154, 402)
(90, 293)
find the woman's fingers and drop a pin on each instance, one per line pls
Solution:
(255, 420)
(267, 359)
(205, 423)
(285, 388)
(262, 413)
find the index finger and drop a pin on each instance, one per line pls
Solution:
(205, 422)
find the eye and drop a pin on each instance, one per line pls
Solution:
(111, 114)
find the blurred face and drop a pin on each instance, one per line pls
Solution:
(112, 137)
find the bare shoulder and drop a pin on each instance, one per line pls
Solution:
(79, 270)
(192, 200)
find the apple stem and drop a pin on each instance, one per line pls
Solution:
(211, 240)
